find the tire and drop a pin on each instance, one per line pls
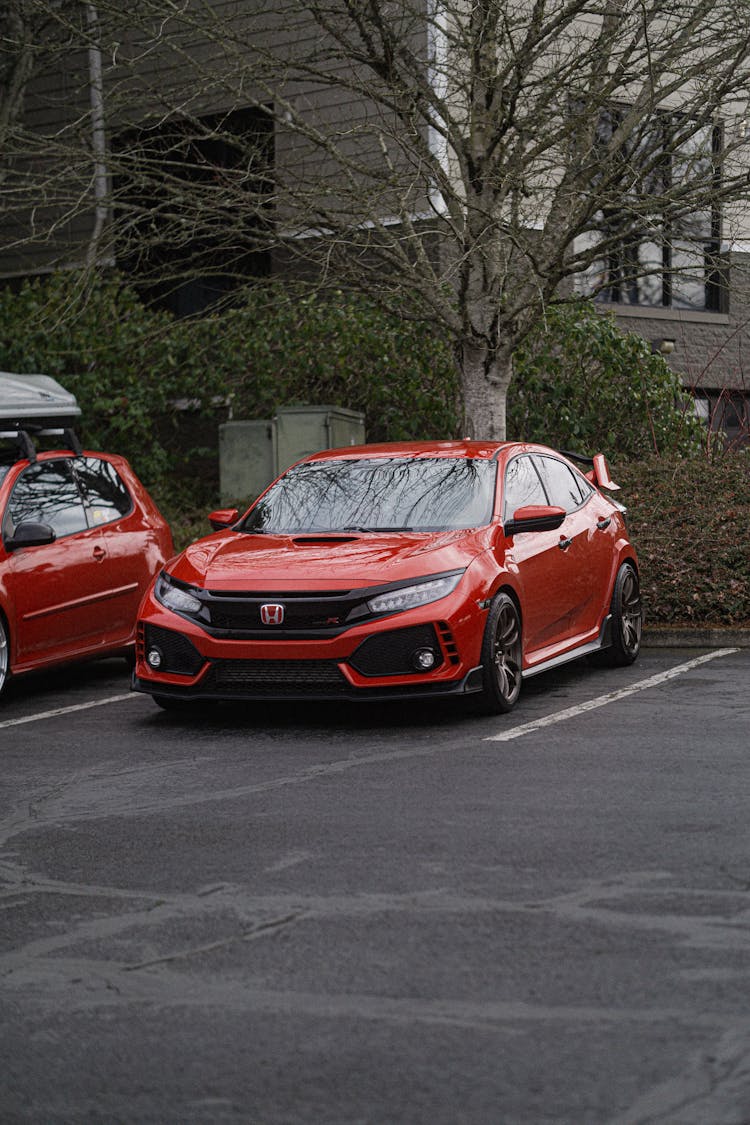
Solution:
(627, 619)
(4, 655)
(502, 657)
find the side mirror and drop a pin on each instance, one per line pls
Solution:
(30, 534)
(534, 517)
(223, 517)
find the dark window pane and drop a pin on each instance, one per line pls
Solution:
(107, 498)
(560, 483)
(522, 486)
(652, 248)
(47, 493)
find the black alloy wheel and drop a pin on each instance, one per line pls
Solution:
(502, 656)
(627, 618)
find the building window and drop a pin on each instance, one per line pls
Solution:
(192, 200)
(658, 247)
(726, 412)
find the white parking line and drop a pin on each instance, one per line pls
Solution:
(66, 710)
(502, 736)
(603, 700)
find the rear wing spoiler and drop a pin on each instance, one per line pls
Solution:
(23, 437)
(598, 472)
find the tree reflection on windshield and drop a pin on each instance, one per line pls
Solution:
(378, 494)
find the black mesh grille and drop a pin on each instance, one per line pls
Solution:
(179, 655)
(275, 678)
(392, 653)
(301, 612)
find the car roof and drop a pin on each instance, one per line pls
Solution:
(483, 450)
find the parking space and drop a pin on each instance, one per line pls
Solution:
(397, 914)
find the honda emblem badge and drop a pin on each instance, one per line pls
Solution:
(272, 614)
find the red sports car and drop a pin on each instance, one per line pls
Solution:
(80, 540)
(397, 571)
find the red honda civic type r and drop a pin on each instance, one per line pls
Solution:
(397, 571)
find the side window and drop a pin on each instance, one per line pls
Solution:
(522, 486)
(46, 492)
(562, 485)
(107, 498)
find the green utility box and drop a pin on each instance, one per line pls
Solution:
(253, 453)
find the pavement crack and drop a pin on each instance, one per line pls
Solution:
(255, 932)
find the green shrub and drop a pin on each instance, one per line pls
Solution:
(289, 345)
(127, 365)
(134, 370)
(688, 518)
(582, 384)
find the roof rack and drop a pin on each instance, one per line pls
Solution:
(23, 434)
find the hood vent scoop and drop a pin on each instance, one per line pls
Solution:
(322, 540)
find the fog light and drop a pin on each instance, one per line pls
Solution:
(424, 659)
(154, 658)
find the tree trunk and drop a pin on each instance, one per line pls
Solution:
(485, 378)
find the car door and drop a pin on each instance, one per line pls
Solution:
(56, 588)
(543, 570)
(129, 565)
(584, 541)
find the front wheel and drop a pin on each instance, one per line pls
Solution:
(4, 655)
(502, 656)
(627, 619)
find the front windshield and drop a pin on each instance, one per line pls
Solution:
(377, 494)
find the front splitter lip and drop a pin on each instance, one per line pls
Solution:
(469, 685)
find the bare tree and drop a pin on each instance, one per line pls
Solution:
(466, 162)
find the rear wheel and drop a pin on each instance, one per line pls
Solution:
(502, 656)
(627, 619)
(4, 655)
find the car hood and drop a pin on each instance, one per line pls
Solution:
(233, 560)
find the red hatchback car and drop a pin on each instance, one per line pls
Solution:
(80, 540)
(397, 571)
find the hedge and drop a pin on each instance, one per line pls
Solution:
(689, 518)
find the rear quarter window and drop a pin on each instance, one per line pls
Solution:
(564, 487)
(104, 491)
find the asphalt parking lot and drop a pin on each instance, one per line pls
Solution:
(318, 914)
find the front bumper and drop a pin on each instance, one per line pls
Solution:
(372, 662)
(308, 686)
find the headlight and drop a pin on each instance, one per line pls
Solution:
(175, 598)
(410, 596)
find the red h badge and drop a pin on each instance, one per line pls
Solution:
(272, 614)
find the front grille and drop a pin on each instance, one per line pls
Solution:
(302, 612)
(392, 653)
(275, 678)
(307, 614)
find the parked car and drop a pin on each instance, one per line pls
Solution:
(397, 571)
(80, 540)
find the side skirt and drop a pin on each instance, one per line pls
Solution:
(604, 640)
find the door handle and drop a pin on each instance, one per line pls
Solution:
(99, 553)
(603, 522)
(564, 543)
